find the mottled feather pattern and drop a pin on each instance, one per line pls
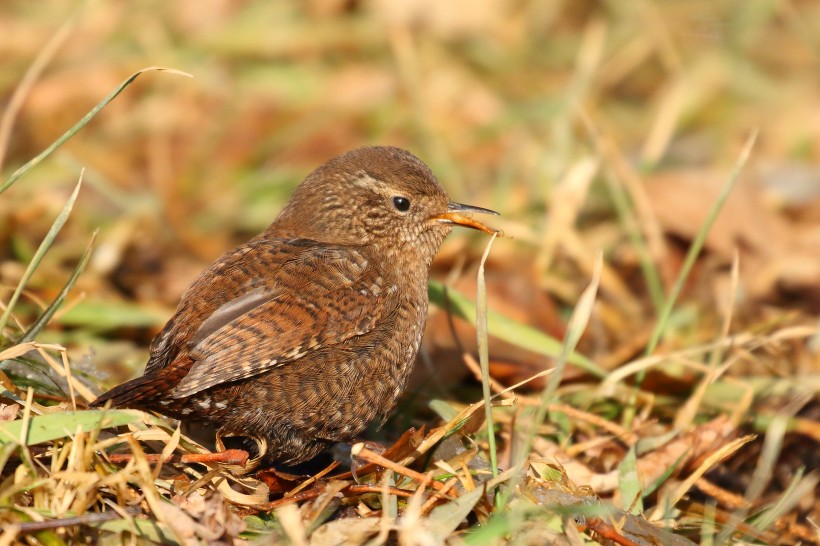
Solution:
(306, 334)
(226, 279)
(259, 340)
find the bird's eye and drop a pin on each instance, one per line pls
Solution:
(401, 203)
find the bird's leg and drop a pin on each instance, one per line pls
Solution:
(229, 456)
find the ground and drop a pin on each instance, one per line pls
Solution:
(655, 167)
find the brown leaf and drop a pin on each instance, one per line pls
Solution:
(8, 412)
(682, 201)
(213, 522)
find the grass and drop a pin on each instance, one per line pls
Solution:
(682, 401)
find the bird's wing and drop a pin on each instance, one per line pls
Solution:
(238, 281)
(322, 297)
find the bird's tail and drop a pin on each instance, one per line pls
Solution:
(142, 392)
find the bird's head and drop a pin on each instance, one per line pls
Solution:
(380, 196)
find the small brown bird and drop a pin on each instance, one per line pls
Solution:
(305, 335)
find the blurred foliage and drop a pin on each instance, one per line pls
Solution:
(179, 170)
(588, 124)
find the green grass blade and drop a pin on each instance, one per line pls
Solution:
(79, 125)
(483, 354)
(577, 324)
(446, 518)
(46, 315)
(629, 483)
(507, 329)
(41, 251)
(697, 246)
(800, 487)
(151, 531)
(45, 428)
(626, 215)
(688, 263)
(99, 315)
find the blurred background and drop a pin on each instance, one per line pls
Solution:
(588, 124)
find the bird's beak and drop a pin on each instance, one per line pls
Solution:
(454, 215)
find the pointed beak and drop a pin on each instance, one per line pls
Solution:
(455, 215)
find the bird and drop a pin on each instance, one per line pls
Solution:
(305, 335)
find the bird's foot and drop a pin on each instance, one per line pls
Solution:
(357, 463)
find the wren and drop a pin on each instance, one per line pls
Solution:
(306, 334)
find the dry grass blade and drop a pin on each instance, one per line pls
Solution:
(34, 71)
(291, 520)
(625, 138)
(63, 369)
(652, 248)
(577, 324)
(687, 413)
(748, 341)
(719, 455)
(80, 124)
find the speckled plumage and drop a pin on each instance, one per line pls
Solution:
(306, 334)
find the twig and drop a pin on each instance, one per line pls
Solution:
(313, 479)
(302, 495)
(360, 451)
(361, 488)
(85, 519)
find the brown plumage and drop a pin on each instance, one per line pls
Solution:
(306, 334)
